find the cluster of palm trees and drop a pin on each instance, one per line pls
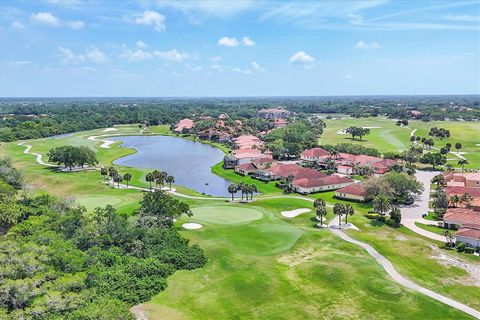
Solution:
(247, 190)
(343, 209)
(115, 176)
(465, 199)
(159, 178)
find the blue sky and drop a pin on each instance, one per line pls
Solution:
(238, 48)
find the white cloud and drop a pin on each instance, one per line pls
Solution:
(141, 44)
(216, 58)
(349, 76)
(137, 55)
(46, 18)
(96, 55)
(367, 45)
(302, 58)
(18, 25)
(463, 18)
(68, 57)
(244, 71)
(172, 55)
(22, 63)
(257, 67)
(246, 41)
(228, 42)
(152, 18)
(217, 67)
(75, 24)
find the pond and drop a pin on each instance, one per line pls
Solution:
(188, 161)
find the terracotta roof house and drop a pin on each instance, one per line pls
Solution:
(251, 168)
(248, 155)
(469, 234)
(460, 216)
(285, 170)
(354, 192)
(184, 124)
(457, 190)
(274, 113)
(469, 180)
(311, 185)
(416, 114)
(314, 154)
(247, 142)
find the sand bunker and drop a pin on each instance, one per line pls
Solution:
(192, 226)
(109, 129)
(294, 213)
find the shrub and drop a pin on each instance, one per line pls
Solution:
(392, 223)
(469, 250)
(373, 216)
(461, 247)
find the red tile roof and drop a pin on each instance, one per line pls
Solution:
(318, 182)
(468, 232)
(246, 167)
(315, 152)
(462, 216)
(266, 159)
(356, 189)
(284, 170)
(455, 190)
(184, 124)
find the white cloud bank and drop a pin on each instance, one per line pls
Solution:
(228, 42)
(302, 58)
(152, 18)
(367, 45)
(48, 19)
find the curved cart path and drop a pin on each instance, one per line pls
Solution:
(387, 265)
(38, 157)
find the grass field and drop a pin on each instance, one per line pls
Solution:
(274, 268)
(388, 137)
(431, 228)
(262, 265)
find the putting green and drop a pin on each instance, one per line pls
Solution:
(93, 202)
(225, 215)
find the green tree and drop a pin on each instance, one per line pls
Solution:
(158, 209)
(104, 173)
(463, 162)
(149, 177)
(339, 210)
(458, 146)
(381, 204)
(170, 180)
(349, 211)
(232, 189)
(127, 177)
(320, 209)
(439, 180)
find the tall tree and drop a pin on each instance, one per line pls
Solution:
(463, 162)
(232, 189)
(104, 173)
(321, 209)
(439, 180)
(150, 178)
(381, 204)
(349, 211)
(170, 180)
(339, 210)
(127, 177)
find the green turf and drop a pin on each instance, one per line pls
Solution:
(431, 228)
(225, 214)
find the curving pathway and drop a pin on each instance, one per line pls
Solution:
(38, 157)
(387, 265)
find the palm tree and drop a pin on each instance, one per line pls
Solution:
(321, 211)
(333, 154)
(466, 198)
(349, 210)
(463, 162)
(112, 172)
(381, 204)
(156, 177)
(150, 178)
(127, 177)
(163, 177)
(448, 235)
(118, 178)
(439, 179)
(104, 173)
(454, 201)
(170, 180)
(458, 146)
(339, 210)
(253, 190)
(365, 171)
(241, 188)
(412, 139)
(233, 188)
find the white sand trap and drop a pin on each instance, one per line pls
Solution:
(371, 127)
(109, 129)
(341, 131)
(294, 213)
(344, 226)
(478, 144)
(192, 226)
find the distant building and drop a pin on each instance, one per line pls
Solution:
(459, 217)
(314, 154)
(229, 162)
(312, 185)
(280, 123)
(274, 113)
(469, 234)
(247, 142)
(248, 155)
(183, 125)
(223, 116)
(416, 114)
(251, 168)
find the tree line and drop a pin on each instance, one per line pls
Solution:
(72, 156)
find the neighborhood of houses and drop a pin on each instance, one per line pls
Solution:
(250, 157)
(467, 218)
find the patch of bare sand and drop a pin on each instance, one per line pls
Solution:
(472, 269)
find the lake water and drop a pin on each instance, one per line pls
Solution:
(188, 161)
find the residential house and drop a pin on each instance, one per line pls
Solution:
(460, 216)
(279, 123)
(251, 168)
(311, 185)
(285, 170)
(229, 162)
(469, 234)
(248, 155)
(314, 155)
(247, 142)
(461, 183)
(416, 114)
(274, 113)
(183, 125)
(354, 192)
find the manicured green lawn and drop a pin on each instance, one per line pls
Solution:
(275, 268)
(431, 228)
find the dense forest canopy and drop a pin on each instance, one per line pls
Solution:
(26, 118)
